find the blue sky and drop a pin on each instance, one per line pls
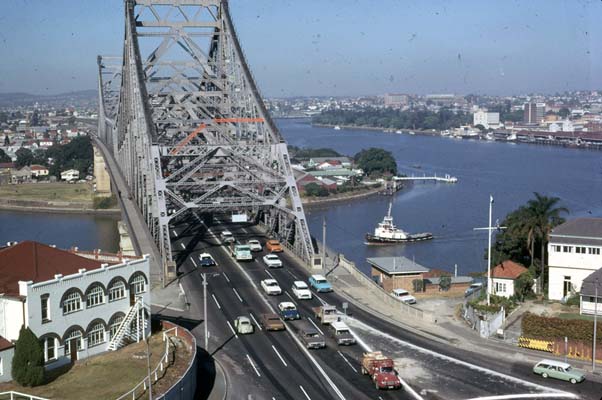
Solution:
(335, 47)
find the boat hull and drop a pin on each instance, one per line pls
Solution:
(371, 239)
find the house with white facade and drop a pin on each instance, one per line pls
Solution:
(39, 171)
(70, 175)
(78, 304)
(486, 119)
(503, 277)
(574, 253)
(591, 294)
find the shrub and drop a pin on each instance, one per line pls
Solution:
(28, 362)
(445, 283)
(418, 285)
(553, 328)
(105, 202)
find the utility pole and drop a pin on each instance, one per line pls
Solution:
(204, 275)
(595, 326)
(148, 370)
(324, 243)
(489, 230)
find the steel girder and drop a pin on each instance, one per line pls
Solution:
(190, 131)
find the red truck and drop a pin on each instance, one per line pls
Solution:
(381, 369)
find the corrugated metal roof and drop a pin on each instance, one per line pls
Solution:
(396, 265)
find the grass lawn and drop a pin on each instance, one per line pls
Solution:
(57, 191)
(106, 376)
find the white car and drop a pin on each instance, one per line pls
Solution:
(403, 296)
(271, 287)
(255, 245)
(227, 237)
(301, 290)
(272, 261)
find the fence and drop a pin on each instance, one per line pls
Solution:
(19, 396)
(571, 348)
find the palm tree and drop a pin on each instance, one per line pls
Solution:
(542, 216)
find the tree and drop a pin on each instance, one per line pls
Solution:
(4, 158)
(24, 157)
(39, 157)
(445, 283)
(564, 112)
(376, 161)
(418, 285)
(313, 189)
(523, 285)
(6, 140)
(28, 361)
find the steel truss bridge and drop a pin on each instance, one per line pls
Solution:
(182, 115)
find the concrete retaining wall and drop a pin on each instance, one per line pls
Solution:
(185, 388)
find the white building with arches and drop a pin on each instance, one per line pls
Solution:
(78, 304)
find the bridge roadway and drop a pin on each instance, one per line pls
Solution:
(229, 286)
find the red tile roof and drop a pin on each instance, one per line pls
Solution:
(5, 344)
(32, 261)
(508, 270)
(36, 167)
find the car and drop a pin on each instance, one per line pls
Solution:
(274, 246)
(206, 260)
(319, 283)
(288, 310)
(242, 252)
(227, 237)
(558, 370)
(475, 287)
(403, 296)
(271, 287)
(272, 261)
(311, 338)
(243, 325)
(255, 245)
(272, 322)
(301, 290)
(340, 332)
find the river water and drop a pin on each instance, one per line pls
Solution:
(510, 172)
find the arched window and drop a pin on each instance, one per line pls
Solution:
(96, 334)
(138, 284)
(117, 290)
(74, 336)
(50, 343)
(95, 296)
(114, 325)
(72, 302)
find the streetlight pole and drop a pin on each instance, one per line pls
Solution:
(595, 325)
(489, 230)
(205, 310)
(324, 243)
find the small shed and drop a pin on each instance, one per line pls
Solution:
(396, 272)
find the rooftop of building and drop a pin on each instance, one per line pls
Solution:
(508, 270)
(396, 265)
(578, 231)
(588, 287)
(5, 344)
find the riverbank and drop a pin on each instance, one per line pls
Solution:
(338, 198)
(62, 208)
(379, 129)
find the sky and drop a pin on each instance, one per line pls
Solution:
(335, 47)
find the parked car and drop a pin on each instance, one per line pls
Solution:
(243, 325)
(558, 370)
(255, 245)
(311, 338)
(403, 296)
(301, 290)
(288, 310)
(274, 246)
(319, 283)
(206, 260)
(271, 287)
(272, 261)
(475, 287)
(227, 237)
(272, 322)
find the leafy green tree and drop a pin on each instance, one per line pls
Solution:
(564, 112)
(418, 285)
(376, 161)
(523, 286)
(6, 140)
(24, 157)
(28, 361)
(313, 189)
(39, 157)
(445, 283)
(4, 158)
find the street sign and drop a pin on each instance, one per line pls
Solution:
(345, 306)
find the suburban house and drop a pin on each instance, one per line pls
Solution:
(22, 175)
(78, 304)
(503, 277)
(39, 171)
(70, 175)
(396, 272)
(590, 296)
(574, 253)
(329, 162)
(432, 280)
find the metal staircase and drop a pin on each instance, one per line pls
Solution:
(125, 332)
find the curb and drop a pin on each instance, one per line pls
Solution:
(220, 387)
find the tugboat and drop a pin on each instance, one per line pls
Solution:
(387, 233)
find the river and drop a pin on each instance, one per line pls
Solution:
(510, 172)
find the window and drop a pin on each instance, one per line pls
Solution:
(557, 248)
(500, 287)
(74, 335)
(567, 249)
(114, 326)
(72, 303)
(95, 297)
(45, 309)
(49, 347)
(594, 250)
(96, 335)
(139, 284)
(117, 291)
(579, 250)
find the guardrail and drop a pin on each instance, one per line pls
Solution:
(12, 395)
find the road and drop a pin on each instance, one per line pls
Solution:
(273, 365)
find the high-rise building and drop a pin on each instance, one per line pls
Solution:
(395, 100)
(534, 112)
(487, 119)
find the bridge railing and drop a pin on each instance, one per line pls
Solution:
(12, 395)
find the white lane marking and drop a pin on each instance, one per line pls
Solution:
(268, 272)
(324, 302)
(237, 295)
(254, 320)
(359, 340)
(457, 361)
(315, 326)
(529, 396)
(232, 329)
(347, 361)
(293, 275)
(194, 262)
(253, 365)
(182, 245)
(279, 356)
(244, 230)
(304, 392)
(290, 297)
(226, 276)
(216, 302)
(175, 233)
